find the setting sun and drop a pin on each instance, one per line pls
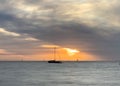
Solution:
(71, 52)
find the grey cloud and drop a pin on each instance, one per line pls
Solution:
(64, 33)
(17, 46)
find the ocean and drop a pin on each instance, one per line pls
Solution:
(65, 74)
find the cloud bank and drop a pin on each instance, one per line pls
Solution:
(91, 26)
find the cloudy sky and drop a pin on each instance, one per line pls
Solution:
(90, 27)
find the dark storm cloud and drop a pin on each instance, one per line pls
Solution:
(83, 38)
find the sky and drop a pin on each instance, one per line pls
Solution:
(81, 29)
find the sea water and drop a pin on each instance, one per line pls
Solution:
(65, 74)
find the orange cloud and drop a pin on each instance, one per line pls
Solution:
(49, 46)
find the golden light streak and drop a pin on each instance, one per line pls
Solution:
(49, 46)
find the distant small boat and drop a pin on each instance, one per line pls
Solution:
(54, 61)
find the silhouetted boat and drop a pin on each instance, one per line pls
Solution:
(54, 61)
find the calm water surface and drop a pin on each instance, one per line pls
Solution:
(65, 74)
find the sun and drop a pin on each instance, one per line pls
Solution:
(71, 52)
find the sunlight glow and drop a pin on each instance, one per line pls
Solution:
(71, 52)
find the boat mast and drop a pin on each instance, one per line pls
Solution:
(54, 53)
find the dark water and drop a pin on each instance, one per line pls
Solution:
(66, 74)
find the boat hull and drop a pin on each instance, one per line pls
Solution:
(54, 61)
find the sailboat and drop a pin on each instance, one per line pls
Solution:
(54, 60)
